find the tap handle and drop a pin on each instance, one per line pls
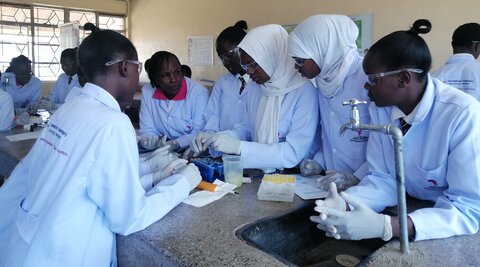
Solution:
(354, 102)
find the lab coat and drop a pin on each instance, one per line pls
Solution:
(6, 111)
(348, 152)
(22, 95)
(61, 89)
(178, 120)
(75, 91)
(461, 71)
(77, 187)
(296, 129)
(441, 159)
(225, 106)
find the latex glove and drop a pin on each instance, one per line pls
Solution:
(361, 223)
(223, 142)
(31, 108)
(46, 103)
(192, 174)
(342, 180)
(22, 118)
(159, 159)
(310, 167)
(197, 145)
(168, 170)
(188, 153)
(151, 141)
(174, 146)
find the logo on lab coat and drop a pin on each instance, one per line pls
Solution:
(361, 137)
(435, 187)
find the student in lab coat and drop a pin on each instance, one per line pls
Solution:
(171, 105)
(65, 82)
(24, 88)
(440, 149)
(79, 184)
(281, 113)
(76, 90)
(226, 105)
(324, 49)
(6, 111)
(462, 70)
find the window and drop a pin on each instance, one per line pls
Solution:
(32, 30)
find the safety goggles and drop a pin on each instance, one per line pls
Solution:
(136, 62)
(299, 61)
(373, 79)
(228, 56)
(253, 66)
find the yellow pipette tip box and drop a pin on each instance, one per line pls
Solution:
(277, 187)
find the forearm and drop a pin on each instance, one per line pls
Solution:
(396, 227)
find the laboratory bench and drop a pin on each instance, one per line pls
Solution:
(208, 236)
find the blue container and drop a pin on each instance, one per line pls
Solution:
(210, 169)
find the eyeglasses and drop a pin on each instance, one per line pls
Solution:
(253, 66)
(299, 61)
(373, 79)
(228, 56)
(136, 62)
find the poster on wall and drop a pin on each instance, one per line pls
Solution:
(69, 35)
(200, 50)
(364, 23)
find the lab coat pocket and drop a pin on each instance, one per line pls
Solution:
(431, 179)
(26, 224)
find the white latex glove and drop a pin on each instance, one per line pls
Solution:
(159, 159)
(188, 153)
(151, 141)
(22, 118)
(192, 174)
(46, 103)
(310, 167)
(174, 146)
(177, 164)
(223, 142)
(197, 145)
(31, 108)
(342, 180)
(361, 223)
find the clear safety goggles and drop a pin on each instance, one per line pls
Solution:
(229, 55)
(373, 79)
(136, 62)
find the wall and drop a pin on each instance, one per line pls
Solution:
(165, 25)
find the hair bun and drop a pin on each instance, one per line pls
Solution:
(90, 27)
(421, 26)
(241, 24)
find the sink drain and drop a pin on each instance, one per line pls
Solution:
(347, 260)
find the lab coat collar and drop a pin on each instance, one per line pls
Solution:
(421, 110)
(101, 95)
(460, 57)
(181, 95)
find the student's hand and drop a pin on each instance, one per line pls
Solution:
(46, 103)
(342, 180)
(159, 159)
(361, 223)
(223, 142)
(192, 174)
(22, 119)
(310, 167)
(32, 108)
(169, 170)
(173, 144)
(197, 145)
(150, 142)
(333, 201)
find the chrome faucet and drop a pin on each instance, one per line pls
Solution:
(355, 125)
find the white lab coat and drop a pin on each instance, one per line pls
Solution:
(79, 186)
(348, 152)
(461, 71)
(75, 91)
(442, 163)
(6, 111)
(61, 89)
(296, 129)
(22, 95)
(225, 106)
(178, 120)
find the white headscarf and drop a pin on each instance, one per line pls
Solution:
(329, 40)
(267, 45)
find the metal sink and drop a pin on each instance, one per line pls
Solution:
(294, 240)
